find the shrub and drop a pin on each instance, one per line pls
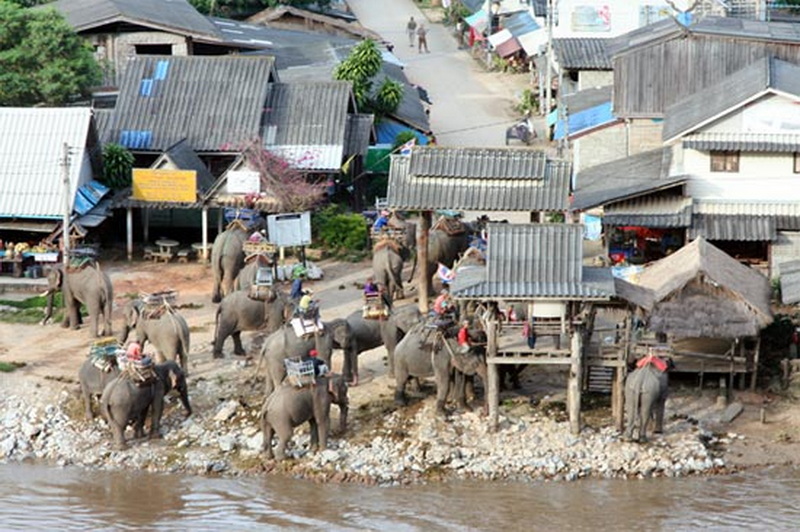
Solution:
(528, 103)
(342, 233)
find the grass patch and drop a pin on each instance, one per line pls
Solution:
(8, 367)
(32, 302)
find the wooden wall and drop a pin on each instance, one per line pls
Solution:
(649, 79)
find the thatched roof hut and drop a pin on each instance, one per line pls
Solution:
(701, 292)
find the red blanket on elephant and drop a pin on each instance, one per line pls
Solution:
(657, 362)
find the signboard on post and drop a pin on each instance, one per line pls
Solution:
(293, 229)
(164, 185)
(243, 182)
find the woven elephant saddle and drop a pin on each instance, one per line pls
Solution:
(451, 226)
(77, 264)
(103, 354)
(140, 371)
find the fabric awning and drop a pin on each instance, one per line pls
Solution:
(496, 39)
(479, 21)
(509, 47)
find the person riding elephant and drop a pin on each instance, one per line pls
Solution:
(646, 390)
(124, 401)
(165, 328)
(284, 343)
(368, 334)
(420, 354)
(227, 258)
(238, 312)
(290, 406)
(86, 285)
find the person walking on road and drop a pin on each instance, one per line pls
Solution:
(411, 30)
(422, 36)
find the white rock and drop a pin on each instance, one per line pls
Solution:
(227, 443)
(226, 411)
(7, 446)
(254, 443)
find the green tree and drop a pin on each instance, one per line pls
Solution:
(42, 60)
(117, 165)
(361, 68)
(246, 8)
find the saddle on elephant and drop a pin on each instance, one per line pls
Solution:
(299, 372)
(450, 225)
(104, 352)
(657, 362)
(375, 307)
(387, 242)
(157, 304)
(77, 264)
(137, 367)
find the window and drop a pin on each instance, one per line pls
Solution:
(796, 163)
(724, 161)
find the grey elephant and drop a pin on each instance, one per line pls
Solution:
(124, 401)
(289, 407)
(93, 381)
(422, 353)
(446, 248)
(368, 334)
(238, 312)
(227, 259)
(646, 390)
(284, 343)
(167, 331)
(247, 275)
(388, 256)
(88, 285)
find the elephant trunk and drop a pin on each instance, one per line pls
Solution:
(48, 312)
(123, 334)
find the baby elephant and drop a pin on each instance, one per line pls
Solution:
(93, 381)
(124, 401)
(289, 407)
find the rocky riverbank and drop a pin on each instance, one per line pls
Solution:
(383, 445)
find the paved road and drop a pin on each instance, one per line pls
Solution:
(470, 106)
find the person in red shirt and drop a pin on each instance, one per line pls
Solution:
(463, 336)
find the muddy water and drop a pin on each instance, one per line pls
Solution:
(39, 498)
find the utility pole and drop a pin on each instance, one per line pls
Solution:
(67, 207)
(548, 89)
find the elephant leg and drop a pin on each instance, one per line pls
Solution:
(314, 433)
(138, 425)
(323, 428)
(238, 348)
(631, 409)
(87, 401)
(267, 431)
(442, 390)
(157, 410)
(658, 414)
(401, 376)
(284, 435)
(118, 431)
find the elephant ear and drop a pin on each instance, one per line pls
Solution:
(134, 316)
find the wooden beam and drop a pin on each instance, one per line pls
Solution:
(129, 232)
(574, 384)
(756, 358)
(493, 386)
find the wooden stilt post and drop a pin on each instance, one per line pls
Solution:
(574, 384)
(756, 358)
(146, 224)
(204, 238)
(129, 232)
(492, 387)
(423, 282)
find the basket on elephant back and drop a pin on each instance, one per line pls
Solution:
(156, 299)
(261, 292)
(451, 226)
(103, 353)
(258, 248)
(374, 307)
(396, 234)
(299, 372)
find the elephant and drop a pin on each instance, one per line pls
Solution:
(169, 332)
(388, 256)
(124, 401)
(446, 248)
(424, 354)
(368, 334)
(247, 275)
(284, 343)
(93, 381)
(289, 407)
(227, 259)
(88, 285)
(646, 391)
(238, 312)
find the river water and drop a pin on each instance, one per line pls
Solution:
(41, 498)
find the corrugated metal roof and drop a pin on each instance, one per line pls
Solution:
(410, 111)
(449, 183)
(582, 53)
(790, 282)
(588, 98)
(497, 163)
(31, 145)
(624, 178)
(520, 23)
(650, 211)
(737, 228)
(747, 208)
(708, 25)
(734, 91)
(178, 16)
(537, 261)
(310, 156)
(215, 102)
(358, 134)
(747, 142)
(184, 157)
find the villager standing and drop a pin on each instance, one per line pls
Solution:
(422, 37)
(411, 30)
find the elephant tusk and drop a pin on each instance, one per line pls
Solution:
(45, 293)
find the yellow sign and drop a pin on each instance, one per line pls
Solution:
(164, 185)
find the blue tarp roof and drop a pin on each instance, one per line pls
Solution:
(520, 24)
(388, 130)
(89, 195)
(585, 120)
